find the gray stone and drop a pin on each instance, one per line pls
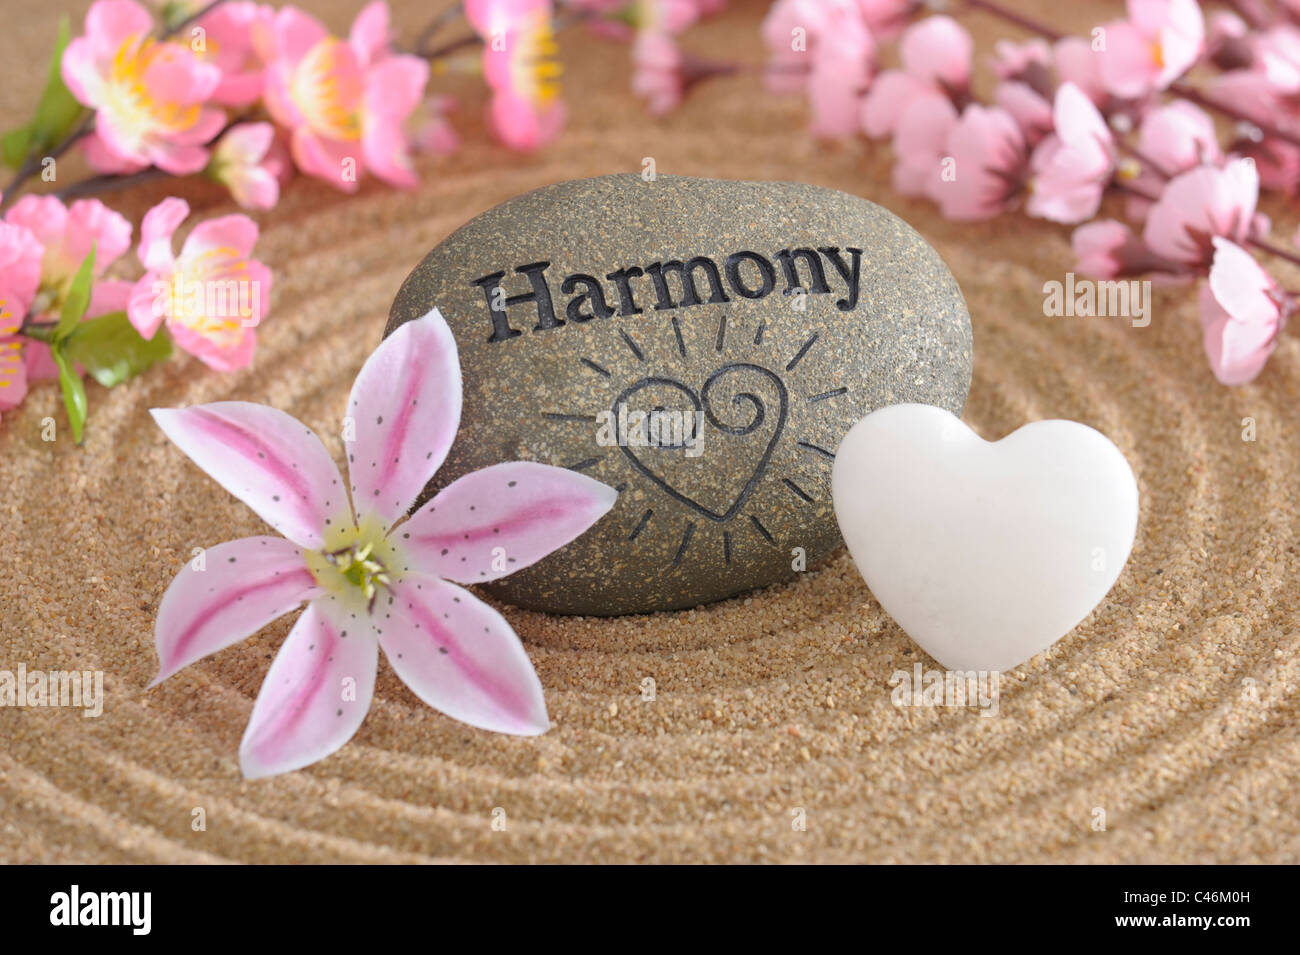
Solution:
(571, 315)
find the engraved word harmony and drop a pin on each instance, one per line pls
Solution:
(697, 281)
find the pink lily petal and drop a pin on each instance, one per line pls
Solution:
(405, 409)
(461, 657)
(269, 460)
(243, 586)
(314, 696)
(492, 522)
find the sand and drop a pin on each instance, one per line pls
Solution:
(1171, 708)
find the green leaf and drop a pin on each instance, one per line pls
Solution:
(74, 391)
(77, 299)
(112, 351)
(56, 112)
(15, 145)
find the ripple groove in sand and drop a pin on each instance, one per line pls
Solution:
(764, 703)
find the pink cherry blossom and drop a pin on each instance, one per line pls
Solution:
(1020, 61)
(431, 130)
(1107, 249)
(921, 145)
(1256, 95)
(990, 165)
(370, 579)
(1078, 63)
(67, 234)
(887, 18)
(936, 58)
(1200, 204)
(345, 101)
(1156, 45)
(20, 274)
(1242, 311)
(1073, 166)
(239, 162)
(824, 48)
(230, 37)
(521, 67)
(1030, 110)
(149, 96)
(657, 71)
(212, 296)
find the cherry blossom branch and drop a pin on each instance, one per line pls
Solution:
(33, 163)
(1178, 88)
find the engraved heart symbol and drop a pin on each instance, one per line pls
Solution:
(715, 493)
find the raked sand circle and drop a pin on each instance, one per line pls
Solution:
(1168, 708)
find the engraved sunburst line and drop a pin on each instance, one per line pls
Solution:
(677, 330)
(585, 463)
(758, 525)
(797, 491)
(798, 356)
(636, 349)
(726, 548)
(808, 446)
(640, 525)
(596, 368)
(722, 334)
(828, 394)
(565, 416)
(686, 542)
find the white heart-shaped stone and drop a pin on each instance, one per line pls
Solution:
(985, 552)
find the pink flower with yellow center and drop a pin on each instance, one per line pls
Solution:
(149, 96)
(372, 578)
(346, 101)
(20, 274)
(522, 68)
(242, 161)
(212, 296)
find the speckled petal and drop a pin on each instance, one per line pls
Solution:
(315, 695)
(225, 594)
(403, 414)
(461, 657)
(502, 518)
(266, 458)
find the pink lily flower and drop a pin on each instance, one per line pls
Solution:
(1073, 166)
(1243, 309)
(149, 96)
(522, 68)
(345, 101)
(1199, 204)
(991, 164)
(20, 274)
(936, 59)
(1156, 45)
(240, 163)
(370, 580)
(212, 296)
